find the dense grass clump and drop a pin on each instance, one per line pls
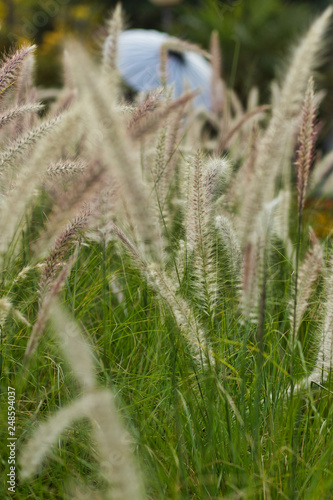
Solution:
(166, 312)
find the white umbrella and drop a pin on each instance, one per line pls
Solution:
(139, 64)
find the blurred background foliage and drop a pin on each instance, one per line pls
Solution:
(255, 35)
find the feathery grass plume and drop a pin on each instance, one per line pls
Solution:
(18, 112)
(65, 168)
(143, 109)
(50, 292)
(103, 210)
(20, 145)
(227, 234)
(184, 171)
(223, 180)
(324, 360)
(308, 274)
(303, 162)
(305, 58)
(197, 203)
(68, 204)
(98, 405)
(198, 225)
(159, 175)
(114, 452)
(217, 87)
(307, 138)
(219, 172)
(11, 65)
(22, 274)
(160, 180)
(158, 115)
(283, 123)
(110, 50)
(62, 245)
(5, 307)
(29, 178)
(160, 161)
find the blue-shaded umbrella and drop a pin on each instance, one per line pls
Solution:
(139, 63)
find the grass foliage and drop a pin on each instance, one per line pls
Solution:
(166, 314)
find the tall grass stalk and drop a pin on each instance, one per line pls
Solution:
(307, 138)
